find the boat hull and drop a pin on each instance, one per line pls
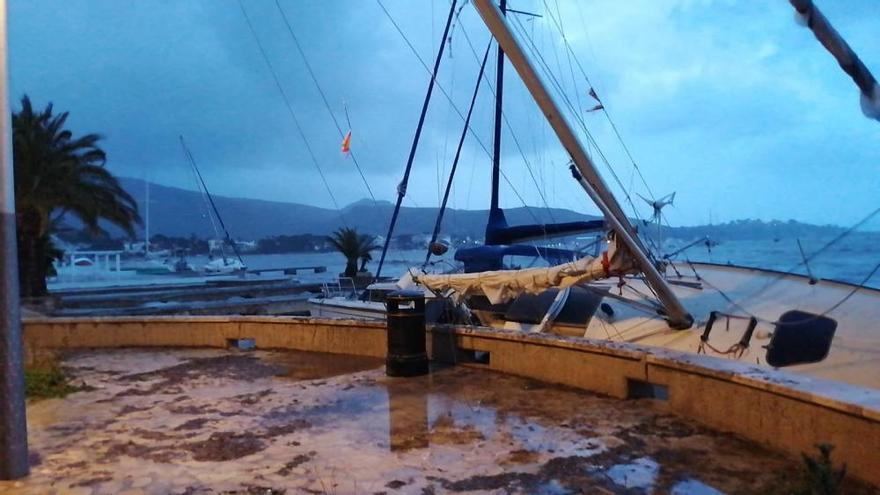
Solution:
(855, 352)
(332, 307)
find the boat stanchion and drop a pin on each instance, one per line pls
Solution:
(407, 352)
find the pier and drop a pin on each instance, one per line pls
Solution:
(292, 270)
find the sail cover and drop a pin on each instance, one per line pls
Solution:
(503, 285)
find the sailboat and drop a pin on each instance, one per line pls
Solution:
(224, 265)
(816, 327)
(158, 262)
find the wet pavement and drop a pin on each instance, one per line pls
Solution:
(212, 421)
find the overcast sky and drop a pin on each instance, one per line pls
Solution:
(728, 103)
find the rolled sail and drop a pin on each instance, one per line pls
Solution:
(503, 285)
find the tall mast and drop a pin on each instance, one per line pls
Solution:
(147, 221)
(590, 180)
(496, 147)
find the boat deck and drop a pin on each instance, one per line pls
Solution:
(855, 352)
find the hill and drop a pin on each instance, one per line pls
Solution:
(181, 213)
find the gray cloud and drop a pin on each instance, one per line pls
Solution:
(729, 103)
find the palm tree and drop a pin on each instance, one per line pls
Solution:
(353, 246)
(55, 174)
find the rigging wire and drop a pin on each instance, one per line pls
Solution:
(205, 203)
(290, 110)
(861, 285)
(626, 150)
(454, 106)
(401, 187)
(545, 67)
(439, 221)
(323, 96)
(807, 259)
(635, 167)
(568, 56)
(513, 135)
(229, 240)
(580, 120)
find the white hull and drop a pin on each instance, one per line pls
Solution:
(855, 351)
(223, 266)
(334, 307)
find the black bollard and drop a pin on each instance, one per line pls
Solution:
(407, 354)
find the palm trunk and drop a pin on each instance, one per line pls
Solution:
(32, 256)
(351, 268)
(32, 272)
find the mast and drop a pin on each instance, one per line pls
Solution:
(816, 21)
(147, 222)
(195, 167)
(496, 146)
(401, 188)
(588, 177)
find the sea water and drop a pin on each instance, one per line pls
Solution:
(851, 260)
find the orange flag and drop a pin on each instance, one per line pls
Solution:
(346, 143)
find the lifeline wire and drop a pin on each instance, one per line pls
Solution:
(323, 96)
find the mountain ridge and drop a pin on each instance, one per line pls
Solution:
(180, 212)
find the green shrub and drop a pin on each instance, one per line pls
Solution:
(47, 383)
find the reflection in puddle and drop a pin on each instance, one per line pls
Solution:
(308, 422)
(407, 418)
(300, 365)
(641, 473)
(486, 431)
(693, 487)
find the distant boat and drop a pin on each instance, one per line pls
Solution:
(224, 266)
(167, 266)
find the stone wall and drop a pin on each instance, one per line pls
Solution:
(783, 410)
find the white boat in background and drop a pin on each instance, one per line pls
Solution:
(343, 300)
(165, 266)
(87, 266)
(224, 266)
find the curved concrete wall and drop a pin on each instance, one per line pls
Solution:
(786, 411)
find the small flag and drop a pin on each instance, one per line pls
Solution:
(594, 95)
(597, 107)
(346, 143)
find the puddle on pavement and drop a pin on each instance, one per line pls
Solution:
(207, 421)
(313, 365)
